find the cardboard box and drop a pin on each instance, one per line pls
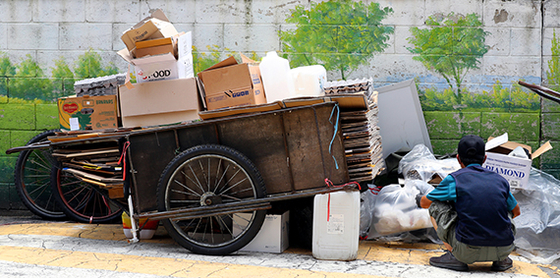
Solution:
(152, 27)
(159, 102)
(229, 84)
(273, 236)
(164, 66)
(88, 112)
(515, 170)
(155, 47)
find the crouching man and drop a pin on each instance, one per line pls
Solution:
(471, 210)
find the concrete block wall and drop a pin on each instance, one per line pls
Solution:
(520, 42)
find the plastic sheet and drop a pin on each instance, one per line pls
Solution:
(421, 164)
(538, 226)
(393, 210)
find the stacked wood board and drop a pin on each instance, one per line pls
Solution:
(96, 163)
(362, 140)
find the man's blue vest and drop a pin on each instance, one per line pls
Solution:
(482, 214)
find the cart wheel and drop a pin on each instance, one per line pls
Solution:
(80, 201)
(207, 175)
(32, 180)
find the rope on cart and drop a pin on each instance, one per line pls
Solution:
(335, 130)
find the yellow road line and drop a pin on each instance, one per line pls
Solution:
(416, 254)
(151, 265)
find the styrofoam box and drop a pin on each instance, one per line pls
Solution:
(273, 236)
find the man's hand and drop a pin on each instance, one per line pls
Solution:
(425, 202)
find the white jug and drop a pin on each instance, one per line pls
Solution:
(277, 79)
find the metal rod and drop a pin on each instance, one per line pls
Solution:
(228, 208)
(216, 213)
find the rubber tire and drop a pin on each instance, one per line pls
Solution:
(43, 205)
(257, 186)
(75, 211)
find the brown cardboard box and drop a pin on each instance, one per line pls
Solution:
(152, 27)
(88, 112)
(155, 47)
(159, 102)
(229, 84)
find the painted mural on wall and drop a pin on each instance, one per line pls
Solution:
(341, 35)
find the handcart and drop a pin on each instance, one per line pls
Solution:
(210, 182)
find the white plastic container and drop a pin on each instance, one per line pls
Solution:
(309, 81)
(336, 238)
(277, 79)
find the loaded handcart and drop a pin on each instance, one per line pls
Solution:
(210, 182)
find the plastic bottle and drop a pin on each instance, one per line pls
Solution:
(336, 225)
(310, 81)
(277, 79)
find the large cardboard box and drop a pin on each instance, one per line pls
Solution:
(159, 102)
(273, 236)
(164, 66)
(229, 84)
(515, 170)
(88, 112)
(155, 26)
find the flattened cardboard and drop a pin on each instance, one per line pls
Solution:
(88, 112)
(226, 112)
(159, 102)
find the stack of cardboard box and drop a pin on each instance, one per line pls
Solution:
(166, 91)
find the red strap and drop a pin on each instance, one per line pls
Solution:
(330, 184)
(123, 158)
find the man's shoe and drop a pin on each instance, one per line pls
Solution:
(502, 265)
(449, 261)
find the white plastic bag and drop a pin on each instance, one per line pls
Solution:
(395, 209)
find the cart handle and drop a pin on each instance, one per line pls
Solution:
(542, 91)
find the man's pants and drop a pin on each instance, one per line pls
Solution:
(446, 220)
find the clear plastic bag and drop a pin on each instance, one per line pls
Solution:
(421, 164)
(538, 226)
(395, 210)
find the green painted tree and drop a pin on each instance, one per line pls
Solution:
(341, 35)
(451, 46)
(63, 78)
(29, 82)
(553, 73)
(89, 66)
(7, 69)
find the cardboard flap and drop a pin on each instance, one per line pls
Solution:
(544, 148)
(245, 59)
(227, 62)
(351, 101)
(494, 142)
(157, 14)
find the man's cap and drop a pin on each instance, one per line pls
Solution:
(471, 146)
